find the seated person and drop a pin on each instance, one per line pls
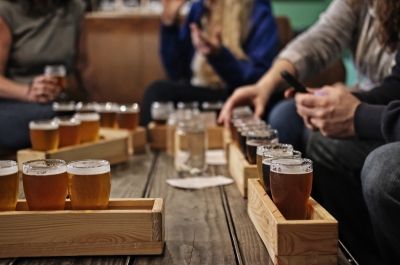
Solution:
(216, 49)
(33, 34)
(347, 24)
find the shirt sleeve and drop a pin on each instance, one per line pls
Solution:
(6, 13)
(318, 47)
(261, 47)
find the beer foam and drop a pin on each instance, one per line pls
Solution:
(39, 168)
(291, 166)
(8, 168)
(133, 108)
(43, 125)
(108, 107)
(67, 121)
(88, 167)
(87, 116)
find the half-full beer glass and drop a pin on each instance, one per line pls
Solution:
(259, 137)
(108, 114)
(45, 184)
(128, 116)
(44, 135)
(59, 72)
(90, 126)
(69, 131)
(9, 185)
(89, 184)
(291, 182)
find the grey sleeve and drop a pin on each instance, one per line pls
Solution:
(6, 13)
(313, 51)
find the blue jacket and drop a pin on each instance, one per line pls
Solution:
(261, 47)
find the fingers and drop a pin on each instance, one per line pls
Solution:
(289, 93)
(226, 112)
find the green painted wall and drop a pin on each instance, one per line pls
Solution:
(302, 13)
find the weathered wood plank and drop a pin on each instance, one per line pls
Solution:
(196, 228)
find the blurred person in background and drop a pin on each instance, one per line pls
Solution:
(221, 45)
(33, 34)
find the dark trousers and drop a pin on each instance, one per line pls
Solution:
(14, 121)
(337, 187)
(177, 92)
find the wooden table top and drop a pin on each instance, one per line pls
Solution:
(207, 226)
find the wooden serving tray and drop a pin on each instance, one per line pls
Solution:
(299, 242)
(127, 227)
(139, 140)
(115, 145)
(158, 136)
(240, 169)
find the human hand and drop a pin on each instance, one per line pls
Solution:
(170, 11)
(330, 109)
(247, 95)
(206, 46)
(44, 89)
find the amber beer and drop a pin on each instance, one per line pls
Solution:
(44, 135)
(59, 72)
(256, 138)
(9, 185)
(90, 126)
(291, 182)
(128, 116)
(89, 184)
(45, 184)
(261, 149)
(69, 131)
(108, 114)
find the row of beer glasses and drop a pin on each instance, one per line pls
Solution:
(112, 115)
(46, 182)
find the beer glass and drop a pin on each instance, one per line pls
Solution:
(84, 107)
(160, 111)
(89, 184)
(192, 105)
(128, 116)
(108, 114)
(212, 107)
(237, 115)
(9, 185)
(268, 156)
(45, 184)
(256, 138)
(291, 182)
(69, 131)
(59, 72)
(44, 135)
(90, 126)
(243, 132)
(64, 108)
(260, 152)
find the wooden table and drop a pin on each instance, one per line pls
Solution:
(208, 226)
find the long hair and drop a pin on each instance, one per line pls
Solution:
(388, 12)
(44, 8)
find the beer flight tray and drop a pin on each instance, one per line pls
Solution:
(240, 169)
(127, 227)
(158, 136)
(300, 242)
(114, 145)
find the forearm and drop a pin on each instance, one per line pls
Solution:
(12, 90)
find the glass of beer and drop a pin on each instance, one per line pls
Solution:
(160, 111)
(59, 72)
(89, 184)
(268, 156)
(45, 184)
(260, 152)
(90, 126)
(193, 105)
(128, 116)
(212, 107)
(64, 108)
(9, 185)
(108, 114)
(259, 137)
(44, 135)
(84, 107)
(69, 131)
(291, 182)
(243, 133)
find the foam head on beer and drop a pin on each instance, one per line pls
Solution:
(44, 135)
(85, 107)
(89, 184)
(258, 137)
(9, 185)
(45, 184)
(291, 182)
(128, 116)
(90, 126)
(69, 130)
(160, 111)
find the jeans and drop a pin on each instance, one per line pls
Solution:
(380, 179)
(337, 187)
(176, 92)
(14, 119)
(290, 125)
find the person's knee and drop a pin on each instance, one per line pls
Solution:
(283, 111)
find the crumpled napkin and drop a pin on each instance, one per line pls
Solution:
(199, 182)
